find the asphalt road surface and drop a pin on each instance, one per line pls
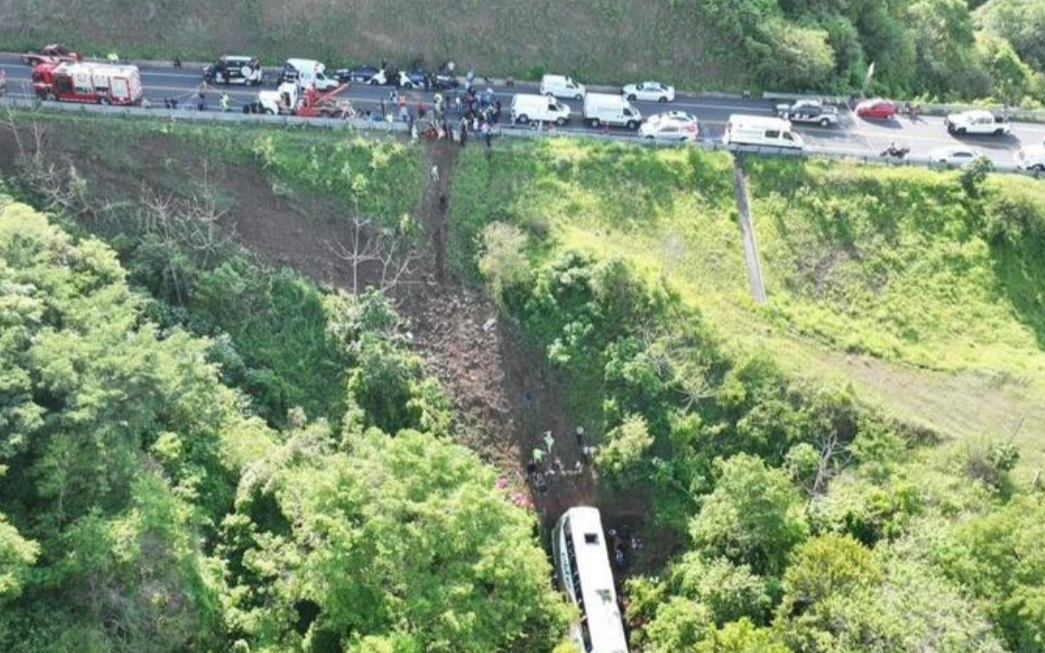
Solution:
(852, 136)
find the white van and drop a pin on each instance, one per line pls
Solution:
(760, 130)
(538, 108)
(308, 72)
(614, 110)
(562, 86)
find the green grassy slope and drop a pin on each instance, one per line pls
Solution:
(890, 279)
(608, 40)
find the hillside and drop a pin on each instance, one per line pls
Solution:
(323, 402)
(607, 40)
(892, 280)
(930, 48)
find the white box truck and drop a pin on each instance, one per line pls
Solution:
(308, 72)
(613, 110)
(538, 108)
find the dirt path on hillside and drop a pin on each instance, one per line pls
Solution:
(506, 397)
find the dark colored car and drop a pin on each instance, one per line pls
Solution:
(234, 70)
(443, 82)
(359, 74)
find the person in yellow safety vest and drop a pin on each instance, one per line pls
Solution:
(224, 101)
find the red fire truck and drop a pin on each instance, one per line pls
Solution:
(89, 83)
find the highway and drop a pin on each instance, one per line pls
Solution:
(852, 136)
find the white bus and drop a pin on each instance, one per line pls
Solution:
(582, 567)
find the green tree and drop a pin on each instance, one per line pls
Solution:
(944, 37)
(729, 592)
(625, 446)
(742, 637)
(754, 516)
(825, 566)
(1021, 23)
(997, 556)
(797, 58)
(406, 541)
(122, 450)
(913, 608)
(503, 260)
(679, 625)
(16, 558)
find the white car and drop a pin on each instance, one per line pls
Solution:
(957, 156)
(649, 91)
(1031, 158)
(673, 126)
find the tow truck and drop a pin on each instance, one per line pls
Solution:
(290, 100)
(809, 111)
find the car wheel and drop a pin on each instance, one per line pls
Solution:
(595, 122)
(549, 94)
(999, 132)
(578, 97)
(1038, 169)
(824, 122)
(269, 112)
(633, 125)
(662, 99)
(632, 98)
(960, 131)
(522, 119)
(560, 121)
(104, 101)
(373, 81)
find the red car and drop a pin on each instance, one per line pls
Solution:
(52, 54)
(876, 108)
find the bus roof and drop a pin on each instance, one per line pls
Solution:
(593, 565)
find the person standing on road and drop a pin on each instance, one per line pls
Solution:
(225, 102)
(487, 134)
(464, 130)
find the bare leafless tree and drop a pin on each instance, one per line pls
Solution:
(834, 457)
(389, 254)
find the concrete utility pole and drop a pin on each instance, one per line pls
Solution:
(747, 229)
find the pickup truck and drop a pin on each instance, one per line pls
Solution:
(977, 122)
(809, 111)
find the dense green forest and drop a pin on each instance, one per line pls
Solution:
(946, 49)
(203, 451)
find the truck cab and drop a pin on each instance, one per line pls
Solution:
(977, 122)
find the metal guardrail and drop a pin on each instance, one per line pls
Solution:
(187, 114)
